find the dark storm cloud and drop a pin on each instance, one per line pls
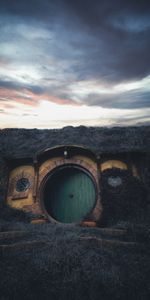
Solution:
(12, 85)
(114, 38)
(95, 13)
(31, 8)
(89, 11)
(55, 49)
(138, 121)
(126, 100)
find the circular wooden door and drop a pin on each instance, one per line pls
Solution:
(69, 195)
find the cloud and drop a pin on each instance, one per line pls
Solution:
(127, 100)
(14, 85)
(31, 95)
(75, 53)
(95, 37)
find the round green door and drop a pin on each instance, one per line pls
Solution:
(69, 195)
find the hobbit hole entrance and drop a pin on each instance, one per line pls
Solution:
(69, 194)
(70, 184)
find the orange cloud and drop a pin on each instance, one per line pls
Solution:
(13, 95)
(29, 98)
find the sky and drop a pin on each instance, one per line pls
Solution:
(73, 62)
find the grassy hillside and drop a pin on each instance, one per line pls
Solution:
(71, 262)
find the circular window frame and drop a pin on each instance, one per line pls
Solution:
(112, 184)
(55, 171)
(19, 181)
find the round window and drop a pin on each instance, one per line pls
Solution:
(22, 184)
(114, 181)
